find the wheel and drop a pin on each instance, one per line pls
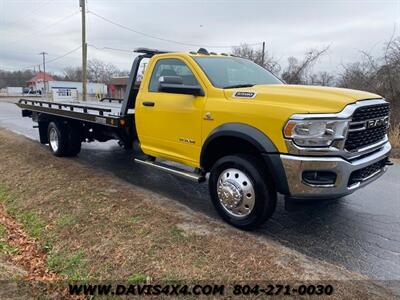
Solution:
(58, 139)
(241, 191)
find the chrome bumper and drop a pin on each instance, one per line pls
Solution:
(295, 165)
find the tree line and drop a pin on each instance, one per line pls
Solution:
(380, 75)
(98, 71)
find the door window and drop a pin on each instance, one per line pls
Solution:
(171, 67)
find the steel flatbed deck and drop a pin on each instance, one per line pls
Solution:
(101, 112)
(86, 121)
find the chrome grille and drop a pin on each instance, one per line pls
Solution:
(367, 172)
(368, 126)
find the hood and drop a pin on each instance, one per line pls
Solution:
(306, 99)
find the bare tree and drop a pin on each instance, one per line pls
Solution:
(99, 71)
(256, 55)
(322, 78)
(72, 74)
(15, 78)
(296, 72)
(380, 75)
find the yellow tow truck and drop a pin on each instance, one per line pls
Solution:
(229, 121)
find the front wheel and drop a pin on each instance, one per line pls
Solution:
(241, 191)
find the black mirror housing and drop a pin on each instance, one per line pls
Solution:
(171, 79)
(174, 84)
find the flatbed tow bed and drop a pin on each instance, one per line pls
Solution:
(102, 120)
(104, 113)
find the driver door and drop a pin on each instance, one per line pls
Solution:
(169, 124)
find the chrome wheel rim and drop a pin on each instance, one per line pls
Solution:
(235, 192)
(53, 138)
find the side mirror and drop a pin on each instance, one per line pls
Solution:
(174, 84)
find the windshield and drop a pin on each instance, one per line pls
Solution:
(231, 72)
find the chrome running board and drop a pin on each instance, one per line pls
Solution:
(189, 175)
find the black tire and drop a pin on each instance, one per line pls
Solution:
(265, 195)
(58, 139)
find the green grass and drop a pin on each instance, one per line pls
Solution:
(31, 222)
(3, 193)
(71, 265)
(136, 278)
(170, 278)
(3, 231)
(5, 247)
(135, 219)
(29, 219)
(178, 233)
(64, 221)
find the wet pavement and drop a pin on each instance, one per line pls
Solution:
(360, 232)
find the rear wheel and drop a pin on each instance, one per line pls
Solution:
(64, 140)
(241, 191)
(58, 141)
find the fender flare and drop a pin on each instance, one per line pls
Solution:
(260, 141)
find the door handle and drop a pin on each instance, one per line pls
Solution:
(148, 103)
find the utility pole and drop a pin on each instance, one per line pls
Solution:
(84, 50)
(44, 72)
(263, 54)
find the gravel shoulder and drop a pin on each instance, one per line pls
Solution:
(93, 226)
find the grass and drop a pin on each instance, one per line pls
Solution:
(178, 233)
(4, 246)
(170, 278)
(136, 278)
(71, 265)
(90, 234)
(394, 136)
(64, 221)
(135, 219)
(31, 222)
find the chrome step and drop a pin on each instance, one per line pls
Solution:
(189, 175)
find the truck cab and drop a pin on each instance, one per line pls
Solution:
(239, 126)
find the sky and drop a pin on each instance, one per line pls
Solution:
(115, 27)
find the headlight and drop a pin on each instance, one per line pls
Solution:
(315, 133)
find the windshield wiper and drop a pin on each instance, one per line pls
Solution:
(239, 86)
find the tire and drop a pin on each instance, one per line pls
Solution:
(241, 191)
(64, 140)
(58, 139)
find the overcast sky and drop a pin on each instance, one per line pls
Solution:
(28, 27)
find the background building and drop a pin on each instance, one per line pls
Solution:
(117, 87)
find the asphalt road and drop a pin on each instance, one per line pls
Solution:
(360, 232)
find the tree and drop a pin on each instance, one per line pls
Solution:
(322, 78)
(256, 56)
(73, 74)
(15, 78)
(297, 71)
(99, 71)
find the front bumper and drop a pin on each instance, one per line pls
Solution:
(294, 167)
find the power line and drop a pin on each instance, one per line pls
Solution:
(48, 61)
(21, 19)
(110, 48)
(64, 55)
(30, 35)
(160, 38)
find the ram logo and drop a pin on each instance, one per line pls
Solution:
(244, 94)
(377, 122)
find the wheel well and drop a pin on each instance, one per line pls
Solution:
(44, 121)
(226, 145)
